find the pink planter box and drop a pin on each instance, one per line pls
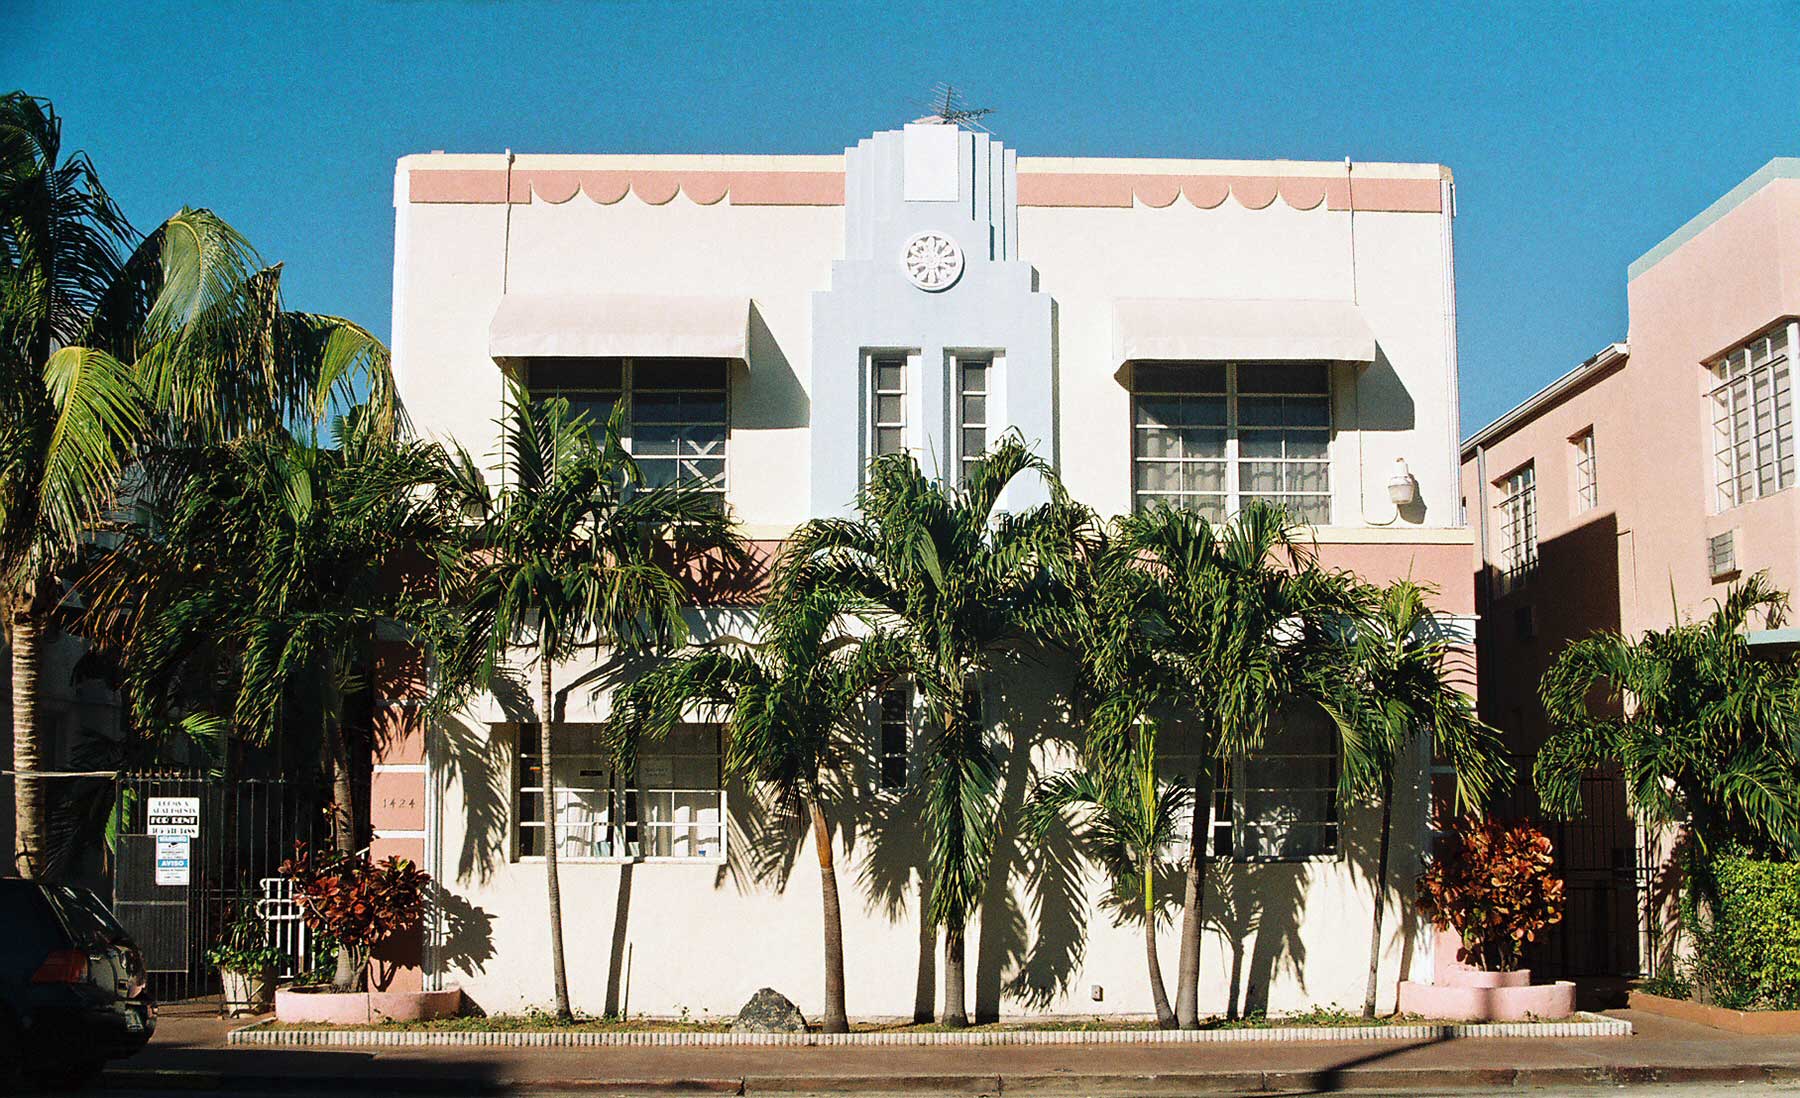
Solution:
(356, 1008)
(1771, 1023)
(1488, 1004)
(1467, 994)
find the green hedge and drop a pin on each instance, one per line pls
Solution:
(1747, 953)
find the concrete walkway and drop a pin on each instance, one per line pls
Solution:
(189, 1052)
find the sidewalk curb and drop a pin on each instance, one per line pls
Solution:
(258, 1034)
(1138, 1084)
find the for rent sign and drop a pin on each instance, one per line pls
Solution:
(174, 816)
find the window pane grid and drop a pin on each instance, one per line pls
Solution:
(1211, 437)
(971, 412)
(1753, 429)
(675, 809)
(887, 406)
(1587, 486)
(1518, 526)
(1279, 803)
(1721, 554)
(891, 733)
(676, 423)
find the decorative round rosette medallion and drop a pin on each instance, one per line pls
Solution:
(933, 261)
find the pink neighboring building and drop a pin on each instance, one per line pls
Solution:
(1636, 487)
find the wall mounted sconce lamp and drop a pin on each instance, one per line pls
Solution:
(1403, 490)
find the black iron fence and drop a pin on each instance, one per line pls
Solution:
(1598, 858)
(245, 828)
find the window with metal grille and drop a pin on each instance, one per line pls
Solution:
(1279, 802)
(1210, 436)
(893, 723)
(1518, 526)
(971, 412)
(887, 406)
(1587, 484)
(1753, 421)
(671, 807)
(675, 411)
(1721, 555)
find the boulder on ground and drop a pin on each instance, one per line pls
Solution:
(769, 1011)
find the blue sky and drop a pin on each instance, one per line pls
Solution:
(1580, 134)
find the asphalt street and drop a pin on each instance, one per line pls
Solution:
(1707, 1090)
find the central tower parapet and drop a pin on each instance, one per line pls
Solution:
(933, 335)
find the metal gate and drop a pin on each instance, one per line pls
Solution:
(1597, 856)
(246, 828)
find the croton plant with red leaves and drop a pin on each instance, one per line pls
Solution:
(1491, 882)
(358, 902)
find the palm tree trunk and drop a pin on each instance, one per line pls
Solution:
(837, 1018)
(1381, 874)
(1193, 897)
(343, 831)
(1159, 995)
(559, 972)
(956, 1011)
(29, 839)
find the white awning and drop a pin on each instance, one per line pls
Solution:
(620, 325)
(1218, 330)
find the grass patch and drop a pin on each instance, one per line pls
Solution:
(531, 1022)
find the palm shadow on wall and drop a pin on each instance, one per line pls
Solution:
(1029, 957)
(469, 757)
(891, 867)
(1359, 838)
(1255, 909)
(1031, 962)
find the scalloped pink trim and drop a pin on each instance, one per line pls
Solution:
(1255, 192)
(608, 187)
(1206, 193)
(1073, 189)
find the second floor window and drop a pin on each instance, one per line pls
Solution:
(1210, 436)
(971, 413)
(1753, 421)
(1518, 524)
(887, 405)
(1587, 483)
(675, 418)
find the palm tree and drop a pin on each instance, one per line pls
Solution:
(955, 580)
(573, 552)
(1394, 682)
(108, 342)
(260, 578)
(1219, 621)
(1133, 817)
(1702, 730)
(794, 700)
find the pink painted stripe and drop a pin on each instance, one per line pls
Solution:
(1042, 189)
(456, 186)
(1206, 192)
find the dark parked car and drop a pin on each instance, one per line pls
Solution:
(72, 988)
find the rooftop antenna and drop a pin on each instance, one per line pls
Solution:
(947, 108)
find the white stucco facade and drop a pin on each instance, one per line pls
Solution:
(814, 245)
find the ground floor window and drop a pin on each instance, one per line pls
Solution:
(893, 720)
(1278, 803)
(672, 806)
